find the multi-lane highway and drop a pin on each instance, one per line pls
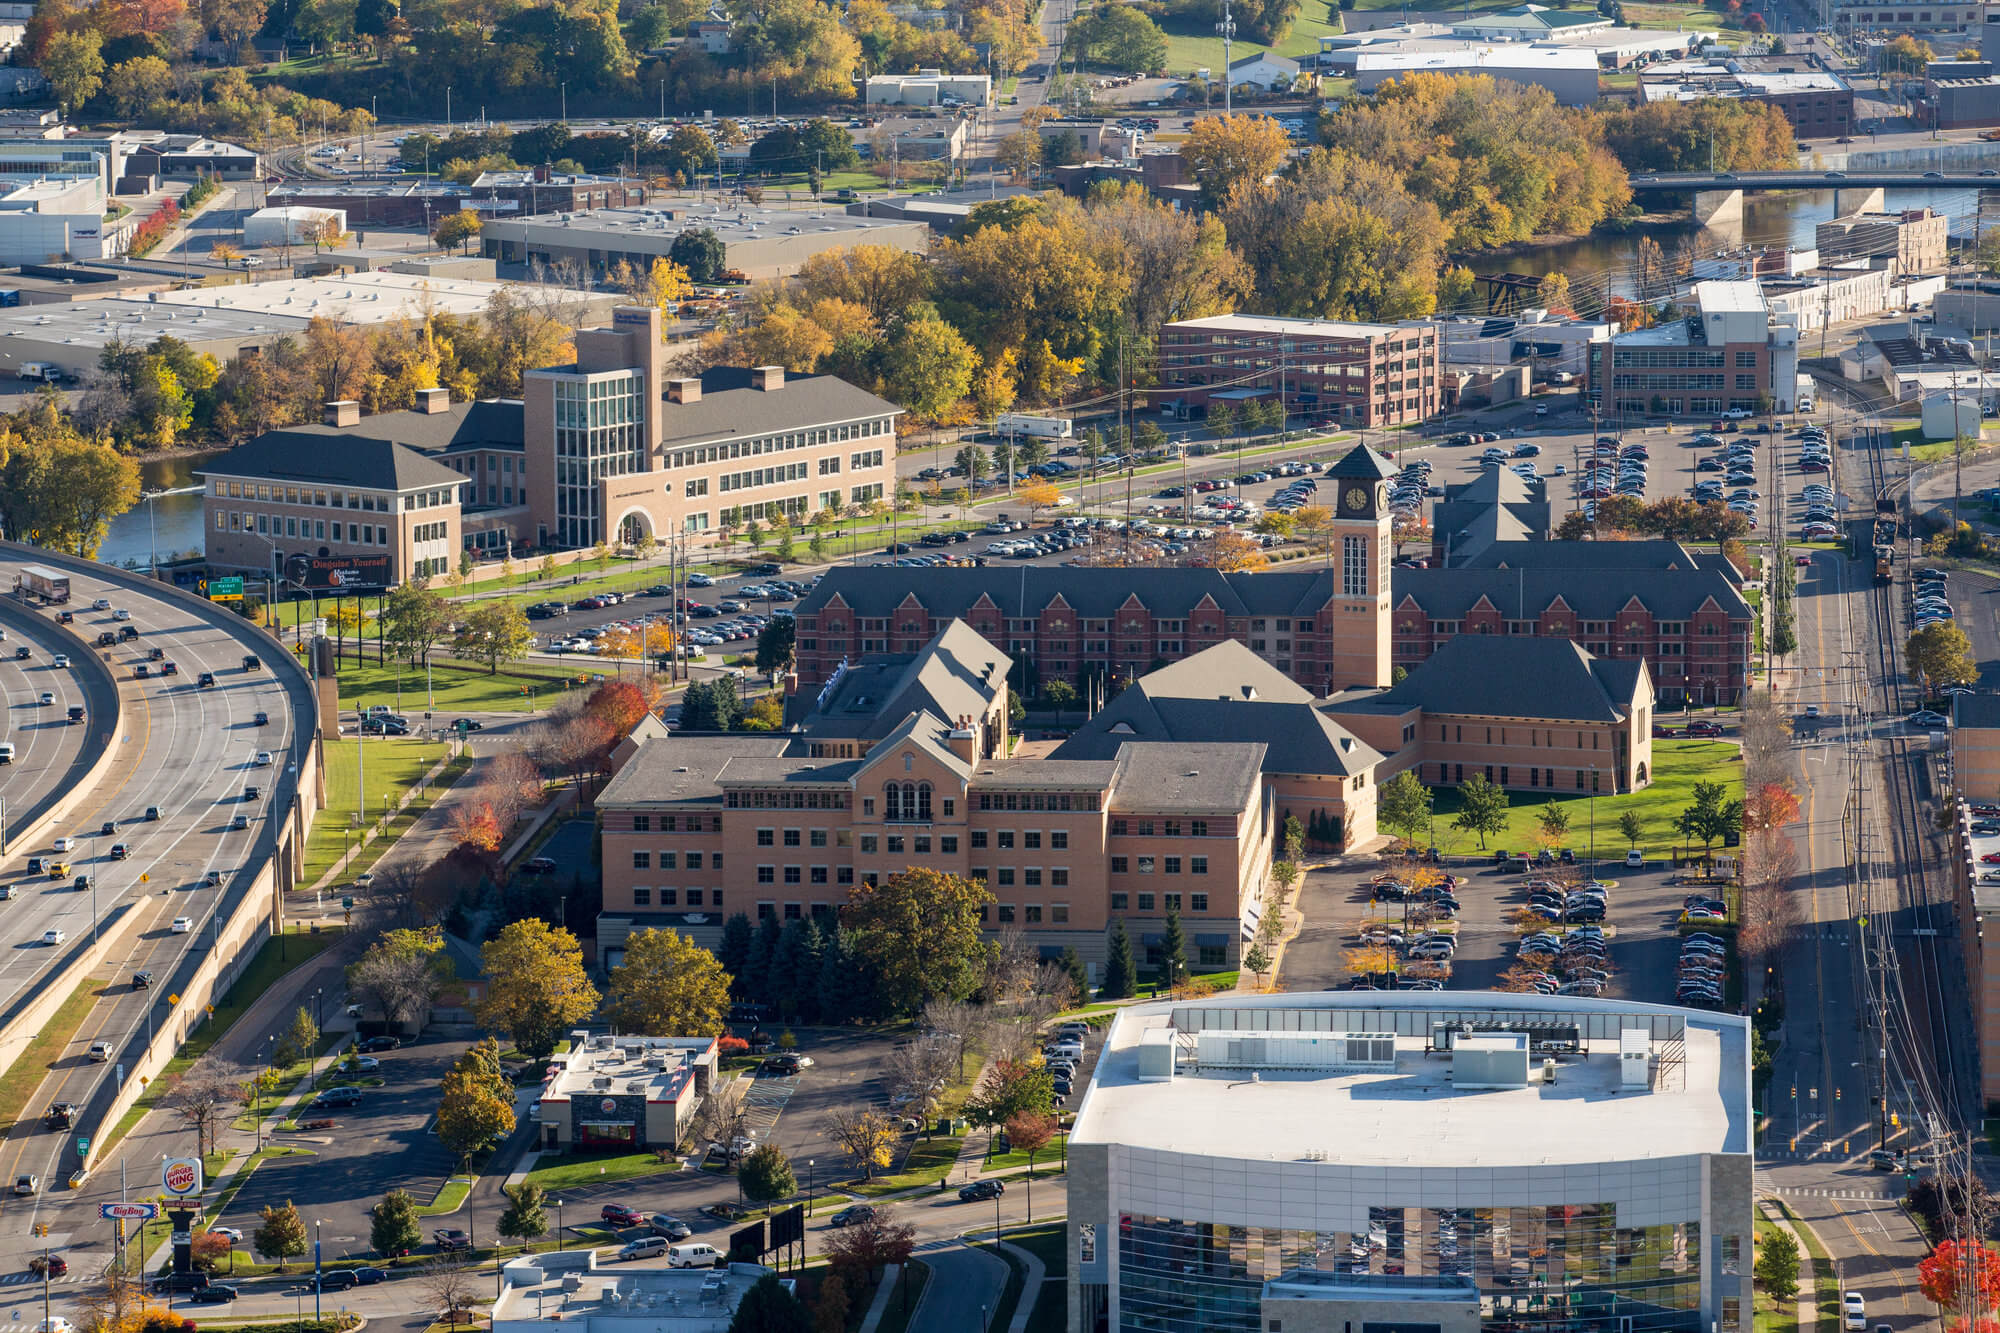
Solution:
(164, 844)
(51, 754)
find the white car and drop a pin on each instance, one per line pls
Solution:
(64, 844)
(1853, 1310)
(54, 936)
(101, 604)
(230, 1234)
(46, 697)
(183, 924)
(121, 614)
(60, 660)
(263, 759)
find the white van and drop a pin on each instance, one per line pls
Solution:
(6, 752)
(648, 1247)
(692, 1254)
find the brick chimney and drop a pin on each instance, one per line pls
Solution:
(346, 412)
(767, 377)
(433, 401)
(964, 739)
(684, 391)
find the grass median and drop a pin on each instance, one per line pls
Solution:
(571, 1171)
(25, 1075)
(392, 765)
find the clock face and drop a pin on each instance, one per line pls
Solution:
(1357, 498)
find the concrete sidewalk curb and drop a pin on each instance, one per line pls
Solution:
(1807, 1313)
(1031, 1283)
(890, 1275)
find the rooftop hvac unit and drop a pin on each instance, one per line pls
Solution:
(637, 1085)
(601, 1083)
(1352, 1051)
(656, 1062)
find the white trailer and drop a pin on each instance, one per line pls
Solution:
(1046, 428)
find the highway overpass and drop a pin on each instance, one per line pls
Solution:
(1718, 195)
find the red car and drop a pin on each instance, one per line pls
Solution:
(1991, 859)
(1661, 733)
(1704, 729)
(618, 1215)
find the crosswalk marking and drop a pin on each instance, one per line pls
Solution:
(22, 1279)
(1811, 1192)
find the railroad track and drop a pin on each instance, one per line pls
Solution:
(1906, 973)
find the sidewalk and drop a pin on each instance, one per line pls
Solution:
(424, 830)
(1808, 1312)
(1031, 1286)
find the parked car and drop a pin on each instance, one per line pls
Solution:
(848, 1216)
(621, 1215)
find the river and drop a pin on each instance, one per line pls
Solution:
(174, 525)
(1772, 219)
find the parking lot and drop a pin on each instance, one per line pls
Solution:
(383, 1144)
(1642, 943)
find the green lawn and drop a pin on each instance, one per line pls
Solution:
(1675, 18)
(392, 765)
(903, 1300)
(569, 1171)
(1677, 766)
(1192, 45)
(457, 688)
(1050, 1244)
(1816, 1266)
(26, 1073)
(929, 1161)
(448, 1199)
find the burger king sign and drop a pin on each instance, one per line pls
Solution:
(182, 1175)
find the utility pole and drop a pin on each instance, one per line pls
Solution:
(1226, 30)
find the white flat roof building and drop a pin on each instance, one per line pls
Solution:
(377, 296)
(1569, 72)
(759, 242)
(568, 1287)
(625, 1092)
(1600, 1147)
(1296, 326)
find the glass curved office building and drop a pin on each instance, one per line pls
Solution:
(1570, 1166)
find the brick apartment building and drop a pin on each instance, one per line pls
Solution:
(1358, 374)
(697, 827)
(1732, 354)
(1653, 601)
(607, 448)
(1915, 240)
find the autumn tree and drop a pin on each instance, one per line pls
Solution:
(859, 1252)
(280, 1234)
(866, 1135)
(204, 1099)
(536, 987)
(400, 974)
(1961, 1277)
(667, 986)
(1940, 655)
(494, 632)
(1008, 1089)
(413, 620)
(456, 229)
(765, 1174)
(1234, 553)
(1482, 807)
(1228, 150)
(475, 1105)
(920, 933)
(1771, 806)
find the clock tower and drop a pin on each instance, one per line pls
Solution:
(1357, 606)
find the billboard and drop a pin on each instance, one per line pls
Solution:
(339, 573)
(788, 1227)
(181, 1175)
(747, 1245)
(131, 1212)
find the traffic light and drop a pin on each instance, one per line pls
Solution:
(1895, 1121)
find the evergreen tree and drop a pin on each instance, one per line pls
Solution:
(757, 968)
(795, 970)
(1079, 975)
(735, 951)
(1120, 974)
(768, 1308)
(698, 708)
(843, 986)
(728, 707)
(1173, 948)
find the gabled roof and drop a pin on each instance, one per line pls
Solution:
(1513, 676)
(1653, 553)
(920, 731)
(324, 457)
(685, 768)
(1223, 694)
(731, 408)
(957, 674)
(1186, 779)
(1592, 593)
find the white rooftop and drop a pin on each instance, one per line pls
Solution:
(730, 223)
(359, 298)
(1287, 324)
(1479, 57)
(1411, 1115)
(569, 1287)
(659, 1067)
(1730, 297)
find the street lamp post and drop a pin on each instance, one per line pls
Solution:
(559, 1224)
(317, 1270)
(805, 1242)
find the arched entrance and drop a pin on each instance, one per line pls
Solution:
(634, 526)
(1641, 778)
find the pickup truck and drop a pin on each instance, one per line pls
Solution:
(451, 1240)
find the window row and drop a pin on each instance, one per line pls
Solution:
(645, 896)
(1166, 865)
(323, 499)
(678, 823)
(1196, 902)
(678, 860)
(1167, 828)
(303, 529)
(767, 444)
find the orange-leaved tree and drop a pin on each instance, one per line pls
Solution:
(1962, 1278)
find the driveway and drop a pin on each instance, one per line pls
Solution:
(385, 1143)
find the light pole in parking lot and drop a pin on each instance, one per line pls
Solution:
(318, 1270)
(806, 1236)
(559, 1224)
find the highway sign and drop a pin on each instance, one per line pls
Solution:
(226, 590)
(134, 1211)
(83, 1144)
